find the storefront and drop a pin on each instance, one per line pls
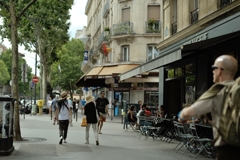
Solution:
(185, 66)
(187, 79)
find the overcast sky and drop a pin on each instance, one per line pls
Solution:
(78, 21)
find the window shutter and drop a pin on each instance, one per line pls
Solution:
(126, 15)
(154, 12)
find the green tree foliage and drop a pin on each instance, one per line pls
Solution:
(7, 59)
(4, 74)
(71, 57)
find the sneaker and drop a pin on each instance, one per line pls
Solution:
(99, 132)
(61, 139)
(97, 143)
(86, 142)
(64, 141)
(53, 123)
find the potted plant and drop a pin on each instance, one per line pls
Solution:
(106, 29)
(151, 21)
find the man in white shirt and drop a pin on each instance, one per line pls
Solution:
(62, 113)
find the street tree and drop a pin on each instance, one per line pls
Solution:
(67, 70)
(48, 23)
(7, 58)
(4, 74)
(11, 12)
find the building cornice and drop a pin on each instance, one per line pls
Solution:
(232, 8)
(87, 8)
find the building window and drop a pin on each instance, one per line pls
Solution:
(125, 53)
(152, 52)
(225, 2)
(174, 20)
(194, 11)
(126, 15)
(153, 22)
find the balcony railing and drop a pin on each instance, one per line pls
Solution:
(194, 16)
(174, 28)
(153, 26)
(225, 2)
(122, 29)
(104, 37)
(106, 9)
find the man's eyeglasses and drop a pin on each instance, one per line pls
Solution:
(215, 67)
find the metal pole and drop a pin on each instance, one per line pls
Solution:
(24, 102)
(31, 99)
(35, 90)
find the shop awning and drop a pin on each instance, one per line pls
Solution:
(153, 64)
(194, 47)
(95, 71)
(96, 77)
(90, 82)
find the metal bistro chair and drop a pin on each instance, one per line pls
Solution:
(185, 138)
(142, 128)
(202, 144)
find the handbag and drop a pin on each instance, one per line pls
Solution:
(84, 122)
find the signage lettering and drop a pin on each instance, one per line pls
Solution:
(199, 38)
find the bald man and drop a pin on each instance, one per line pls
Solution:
(224, 70)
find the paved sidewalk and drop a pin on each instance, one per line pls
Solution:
(115, 143)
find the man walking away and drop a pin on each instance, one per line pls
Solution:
(224, 70)
(102, 107)
(62, 112)
(53, 109)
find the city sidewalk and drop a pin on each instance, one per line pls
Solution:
(42, 138)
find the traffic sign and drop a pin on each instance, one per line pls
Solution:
(35, 79)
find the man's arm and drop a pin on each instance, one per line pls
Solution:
(186, 114)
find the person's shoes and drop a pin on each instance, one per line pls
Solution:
(64, 141)
(61, 139)
(71, 125)
(86, 142)
(53, 123)
(99, 132)
(97, 143)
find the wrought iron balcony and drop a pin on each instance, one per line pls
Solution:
(194, 16)
(225, 2)
(122, 29)
(153, 26)
(174, 28)
(106, 9)
(104, 37)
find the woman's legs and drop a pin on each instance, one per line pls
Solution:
(87, 133)
(94, 127)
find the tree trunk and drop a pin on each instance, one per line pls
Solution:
(44, 87)
(14, 39)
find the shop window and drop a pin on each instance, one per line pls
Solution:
(189, 69)
(151, 98)
(151, 85)
(152, 52)
(179, 72)
(190, 89)
(170, 73)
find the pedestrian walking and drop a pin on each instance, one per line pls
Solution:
(102, 108)
(83, 102)
(62, 112)
(224, 70)
(53, 109)
(70, 112)
(49, 103)
(92, 118)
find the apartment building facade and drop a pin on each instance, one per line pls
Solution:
(122, 34)
(194, 33)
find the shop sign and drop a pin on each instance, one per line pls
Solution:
(199, 38)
